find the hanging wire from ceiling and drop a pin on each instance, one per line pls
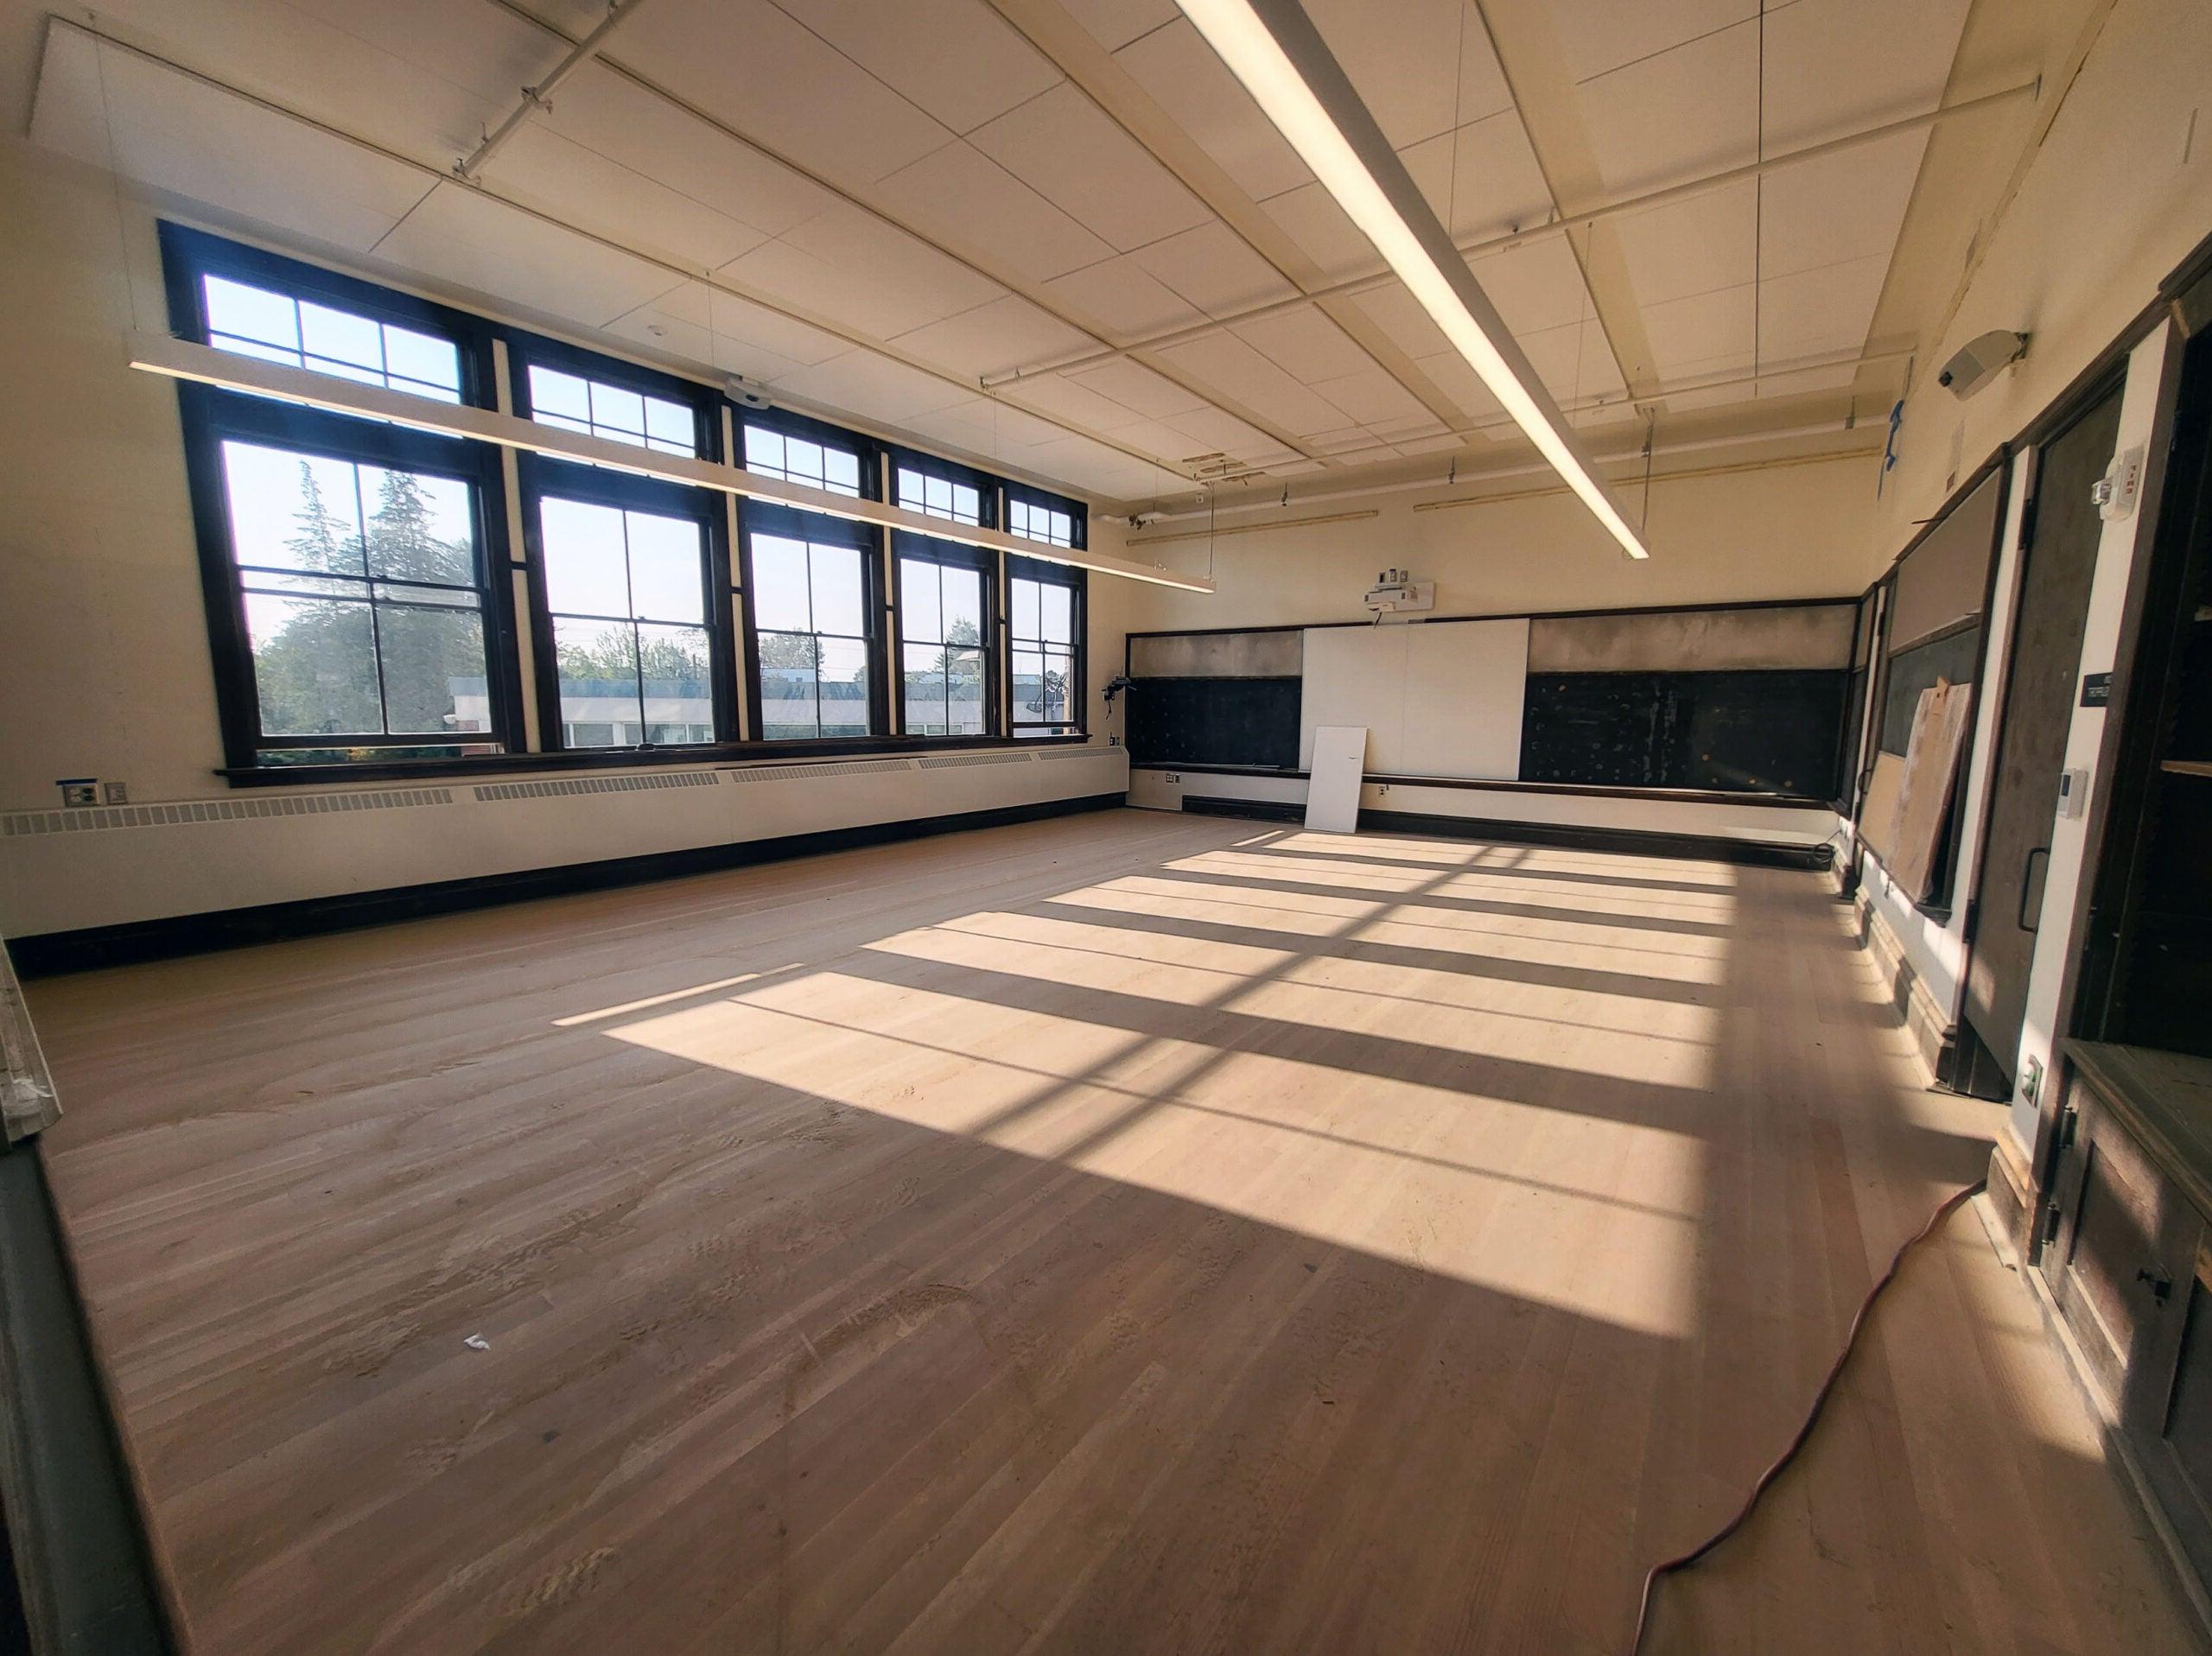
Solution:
(115, 189)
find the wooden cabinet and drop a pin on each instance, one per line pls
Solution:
(2130, 1265)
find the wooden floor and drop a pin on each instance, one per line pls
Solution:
(1126, 1234)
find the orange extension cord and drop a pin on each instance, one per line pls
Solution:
(1704, 1548)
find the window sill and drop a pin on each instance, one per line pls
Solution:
(636, 759)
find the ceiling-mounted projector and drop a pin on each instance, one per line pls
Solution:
(1396, 592)
(1979, 358)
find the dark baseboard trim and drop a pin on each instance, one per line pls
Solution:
(50, 953)
(82, 1566)
(1500, 786)
(1262, 810)
(1707, 847)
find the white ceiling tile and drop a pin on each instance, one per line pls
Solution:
(1686, 112)
(1211, 431)
(1809, 380)
(1595, 35)
(1574, 361)
(176, 132)
(1065, 146)
(1138, 388)
(1059, 395)
(460, 235)
(991, 339)
(1449, 373)
(1693, 246)
(1843, 206)
(745, 339)
(1123, 297)
(957, 59)
(961, 194)
(578, 185)
(1186, 78)
(1310, 217)
(760, 71)
(851, 266)
(1702, 333)
(1115, 23)
(861, 380)
(1421, 66)
(1226, 364)
(1816, 312)
(613, 115)
(1837, 66)
(1535, 285)
(1214, 268)
(1306, 344)
(1372, 397)
(1399, 314)
(1150, 436)
(1444, 442)
(1498, 185)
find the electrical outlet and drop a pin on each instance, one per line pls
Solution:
(1173, 780)
(79, 790)
(114, 793)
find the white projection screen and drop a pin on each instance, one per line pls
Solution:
(1438, 698)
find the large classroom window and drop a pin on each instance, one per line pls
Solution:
(367, 610)
(630, 608)
(1044, 629)
(944, 611)
(812, 603)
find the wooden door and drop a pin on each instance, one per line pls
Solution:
(2044, 664)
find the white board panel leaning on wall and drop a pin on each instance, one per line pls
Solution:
(1438, 698)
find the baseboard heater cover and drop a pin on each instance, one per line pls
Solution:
(48, 953)
(1705, 848)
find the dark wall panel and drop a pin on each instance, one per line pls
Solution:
(1214, 722)
(1955, 657)
(1743, 733)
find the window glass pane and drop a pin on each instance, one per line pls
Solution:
(963, 605)
(764, 450)
(924, 686)
(292, 511)
(671, 425)
(936, 496)
(678, 665)
(252, 314)
(1028, 667)
(843, 472)
(315, 666)
(552, 393)
(965, 504)
(1025, 608)
(598, 670)
(585, 568)
(421, 358)
(341, 336)
(1059, 676)
(844, 680)
(964, 672)
(392, 592)
(787, 682)
(802, 459)
(432, 663)
(667, 567)
(838, 603)
(617, 410)
(1017, 517)
(919, 617)
(1055, 602)
(778, 599)
(418, 527)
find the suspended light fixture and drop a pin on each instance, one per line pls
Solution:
(1272, 46)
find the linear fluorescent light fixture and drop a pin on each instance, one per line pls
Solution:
(175, 358)
(1273, 49)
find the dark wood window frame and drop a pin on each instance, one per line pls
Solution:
(785, 424)
(1077, 582)
(951, 555)
(758, 517)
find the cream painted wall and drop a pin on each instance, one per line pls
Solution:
(105, 669)
(1799, 531)
(2119, 194)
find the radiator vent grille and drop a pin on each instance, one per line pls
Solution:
(1075, 752)
(189, 812)
(561, 787)
(949, 761)
(805, 772)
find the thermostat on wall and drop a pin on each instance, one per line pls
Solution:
(2073, 792)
